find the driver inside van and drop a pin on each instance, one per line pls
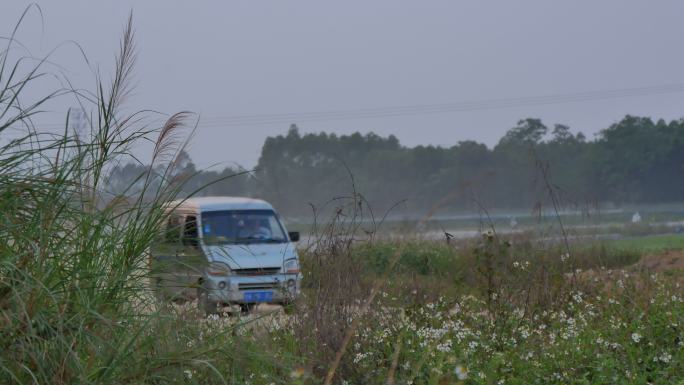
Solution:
(252, 228)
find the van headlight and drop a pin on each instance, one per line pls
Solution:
(291, 266)
(218, 269)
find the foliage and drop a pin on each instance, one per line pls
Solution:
(75, 307)
(635, 160)
(606, 327)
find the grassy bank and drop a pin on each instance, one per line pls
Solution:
(650, 244)
(501, 311)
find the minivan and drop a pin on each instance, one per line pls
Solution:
(225, 251)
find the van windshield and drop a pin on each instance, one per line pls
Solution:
(242, 226)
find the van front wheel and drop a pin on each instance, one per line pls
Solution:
(204, 304)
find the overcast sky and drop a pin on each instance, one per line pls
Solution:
(231, 58)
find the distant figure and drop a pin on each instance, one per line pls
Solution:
(514, 222)
(636, 218)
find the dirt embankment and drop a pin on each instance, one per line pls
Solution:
(669, 264)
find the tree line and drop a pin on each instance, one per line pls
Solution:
(636, 160)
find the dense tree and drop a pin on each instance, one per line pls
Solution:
(633, 160)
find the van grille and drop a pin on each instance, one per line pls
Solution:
(257, 285)
(257, 271)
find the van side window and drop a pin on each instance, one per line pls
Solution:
(173, 228)
(190, 233)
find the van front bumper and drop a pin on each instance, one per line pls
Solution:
(284, 288)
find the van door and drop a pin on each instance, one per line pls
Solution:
(191, 258)
(163, 264)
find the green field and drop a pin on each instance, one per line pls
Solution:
(650, 244)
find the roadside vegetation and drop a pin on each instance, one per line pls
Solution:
(76, 306)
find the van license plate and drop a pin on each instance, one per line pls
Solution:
(259, 296)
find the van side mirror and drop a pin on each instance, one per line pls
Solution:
(294, 236)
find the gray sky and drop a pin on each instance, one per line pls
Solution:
(227, 58)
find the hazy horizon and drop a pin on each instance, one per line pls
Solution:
(244, 58)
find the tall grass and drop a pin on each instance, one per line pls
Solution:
(74, 302)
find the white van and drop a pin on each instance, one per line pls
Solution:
(224, 251)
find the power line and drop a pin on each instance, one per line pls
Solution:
(427, 109)
(462, 106)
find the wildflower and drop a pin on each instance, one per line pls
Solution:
(524, 333)
(297, 373)
(564, 257)
(461, 372)
(665, 357)
(444, 346)
(577, 297)
(359, 357)
(636, 337)
(188, 374)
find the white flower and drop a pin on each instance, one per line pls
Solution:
(188, 374)
(577, 297)
(444, 346)
(636, 337)
(461, 372)
(359, 357)
(665, 357)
